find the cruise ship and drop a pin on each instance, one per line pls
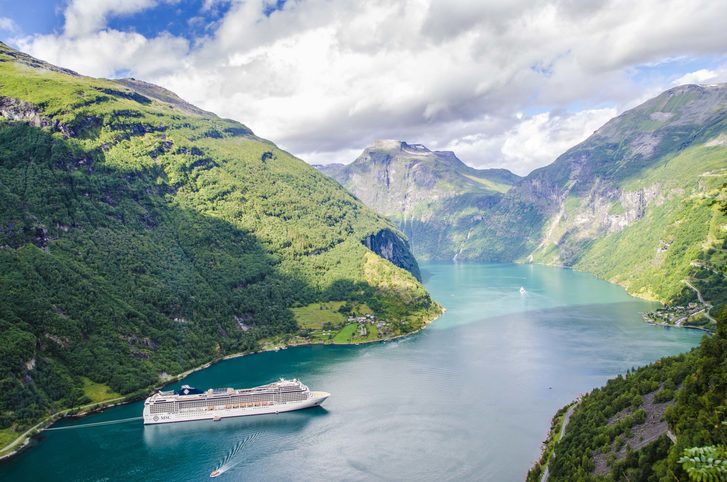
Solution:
(190, 403)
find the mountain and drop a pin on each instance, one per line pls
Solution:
(431, 195)
(636, 203)
(141, 236)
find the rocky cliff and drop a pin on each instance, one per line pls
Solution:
(392, 247)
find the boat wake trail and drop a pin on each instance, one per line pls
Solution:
(96, 424)
(231, 460)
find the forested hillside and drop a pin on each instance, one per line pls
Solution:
(652, 423)
(141, 236)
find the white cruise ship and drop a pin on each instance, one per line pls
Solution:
(215, 404)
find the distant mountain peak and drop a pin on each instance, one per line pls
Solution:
(418, 187)
(398, 146)
(388, 150)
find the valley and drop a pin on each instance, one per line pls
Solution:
(639, 203)
(146, 242)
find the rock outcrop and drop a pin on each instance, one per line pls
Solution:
(393, 248)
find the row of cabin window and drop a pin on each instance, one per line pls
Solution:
(287, 397)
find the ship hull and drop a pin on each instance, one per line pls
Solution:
(315, 399)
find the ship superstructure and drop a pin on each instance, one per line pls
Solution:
(190, 403)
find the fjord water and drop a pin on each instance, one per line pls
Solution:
(469, 398)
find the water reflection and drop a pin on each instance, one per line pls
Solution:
(166, 435)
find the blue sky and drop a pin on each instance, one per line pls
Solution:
(186, 18)
(510, 83)
(31, 17)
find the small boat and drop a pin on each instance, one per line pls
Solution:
(522, 290)
(215, 473)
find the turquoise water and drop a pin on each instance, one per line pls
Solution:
(469, 398)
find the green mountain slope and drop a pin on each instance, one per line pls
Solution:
(637, 202)
(432, 196)
(638, 427)
(141, 236)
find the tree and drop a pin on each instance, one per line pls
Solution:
(705, 464)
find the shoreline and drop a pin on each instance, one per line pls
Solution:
(24, 440)
(641, 296)
(686, 327)
(555, 438)
(318, 343)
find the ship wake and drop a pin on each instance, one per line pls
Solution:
(231, 460)
(95, 424)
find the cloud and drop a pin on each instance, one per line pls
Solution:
(84, 17)
(538, 140)
(324, 78)
(703, 76)
(8, 25)
(110, 52)
(210, 5)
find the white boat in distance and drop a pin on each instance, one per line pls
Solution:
(189, 403)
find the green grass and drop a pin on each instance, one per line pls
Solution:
(346, 335)
(313, 316)
(7, 435)
(686, 169)
(572, 203)
(373, 333)
(97, 392)
(616, 209)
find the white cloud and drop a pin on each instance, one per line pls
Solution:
(84, 17)
(538, 140)
(7, 25)
(703, 76)
(524, 143)
(213, 4)
(107, 52)
(323, 78)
